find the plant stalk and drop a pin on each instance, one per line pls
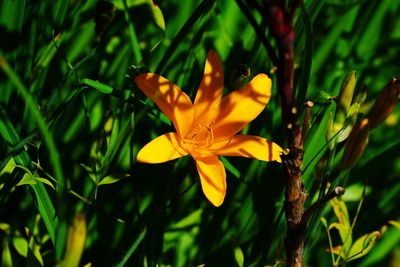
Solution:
(279, 20)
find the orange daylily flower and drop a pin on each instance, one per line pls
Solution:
(208, 127)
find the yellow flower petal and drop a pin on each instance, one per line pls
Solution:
(169, 98)
(249, 146)
(209, 93)
(164, 148)
(212, 178)
(242, 106)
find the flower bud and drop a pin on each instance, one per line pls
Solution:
(330, 137)
(340, 127)
(76, 241)
(239, 76)
(384, 103)
(355, 145)
(345, 97)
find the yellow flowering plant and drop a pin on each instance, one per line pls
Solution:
(209, 127)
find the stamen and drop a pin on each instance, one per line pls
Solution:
(202, 137)
(210, 129)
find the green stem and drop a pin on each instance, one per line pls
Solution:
(132, 33)
(132, 248)
(44, 130)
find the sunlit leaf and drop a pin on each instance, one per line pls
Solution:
(363, 245)
(9, 167)
(45, 181)
(21, 245)
(6, 259)
(110, 179)
(345, 236)
(239, 257)
(76, 241)
(26, 179)
(157, 14)
(395, 223)
(340, 209)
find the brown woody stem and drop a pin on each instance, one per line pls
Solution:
(280, 25)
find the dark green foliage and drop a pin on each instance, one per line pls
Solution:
(70, 115)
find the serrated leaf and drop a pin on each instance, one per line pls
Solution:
(363, 245)
(110, 179)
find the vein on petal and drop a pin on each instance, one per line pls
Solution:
(210, 89)
(175, 103)
(242, 106)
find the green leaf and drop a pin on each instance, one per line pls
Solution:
(91, 173)
(106, 89)
(344, 226)
(45, 181)
(110, 179)
(395, 224)
(6, 260)
(228, 165)
(26, 179)
(324, 222)
(5, 228)
(202, 9)
(132, 248)
(193, 218)
(157, 14)
(21, 245)
(345, 236)
(77, 234)
(363, 245)
(340, 209)
(9, 167)
(32, 106)
(307, 56)
(130, 3)
(12, 14)
(239, 257)
(354, 192)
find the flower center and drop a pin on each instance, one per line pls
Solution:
(201, 136)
